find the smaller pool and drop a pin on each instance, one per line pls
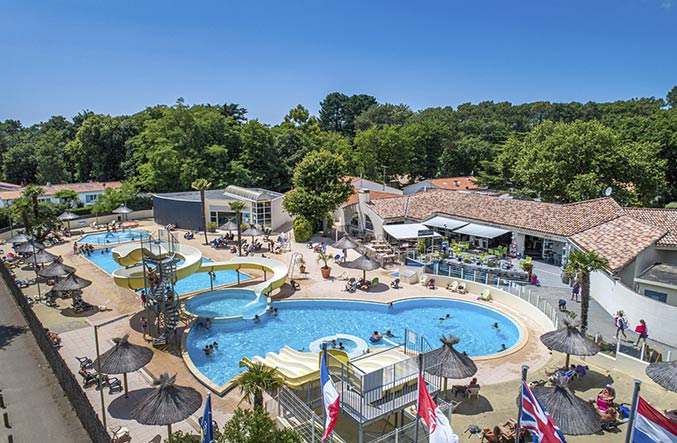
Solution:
(352, 345)
(227, 303)
(113, 238)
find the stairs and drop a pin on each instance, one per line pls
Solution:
(292, 263)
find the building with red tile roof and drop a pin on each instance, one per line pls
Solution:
(462, 183)
(88, 192)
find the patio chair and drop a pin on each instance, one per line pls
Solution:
(88, 378)
(344, 276)
(113, 383)
(120, 434)
(473, 392)
(395, 284)
(461, 288)
(85, 362)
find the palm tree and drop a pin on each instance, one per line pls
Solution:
(202, 184)
(255, 381)
(582, 264)
(33, 192)
(238, 207)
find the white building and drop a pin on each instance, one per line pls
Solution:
(87, 192)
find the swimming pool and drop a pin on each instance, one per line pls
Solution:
(113, 238)
(196, 282)
(227, 303)
(300, 322)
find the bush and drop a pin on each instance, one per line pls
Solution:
(671, 205)
(85, 210)
(303, 229)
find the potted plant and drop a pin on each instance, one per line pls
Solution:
(302, 265)
(324, 257)
(211, 226)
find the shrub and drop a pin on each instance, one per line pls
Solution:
(85, 210)
(671, 205)
(303, 229)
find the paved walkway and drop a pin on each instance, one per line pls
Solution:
(26, 380)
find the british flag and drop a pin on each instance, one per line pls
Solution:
(537, 420)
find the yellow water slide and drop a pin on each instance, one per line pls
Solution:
(132, 277)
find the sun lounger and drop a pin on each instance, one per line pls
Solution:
(453, 286)
(486, 296)
(120, 434)
(461, 288)
(395, 284)
(344, 276)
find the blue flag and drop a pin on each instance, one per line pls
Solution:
(206, 431)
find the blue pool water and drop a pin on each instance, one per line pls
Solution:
(196, 282)
(113, 238)
(226, 303)
(300, 322)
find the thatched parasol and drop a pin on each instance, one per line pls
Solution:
(229, 226)
(124, 357)
(363, 263)
(570, 341)
(122, 209)
(447, 362)
(664, 373)
(71, 283)
(344, 243)
(167, 404)
(252, 231)
(573, 415)
(29, 247)
(56, 269)
(68, 216)
(20, 238)
(41, 257)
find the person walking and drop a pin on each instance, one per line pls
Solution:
(144, 327)
(643, 332)
(621, 324)
(575, 290)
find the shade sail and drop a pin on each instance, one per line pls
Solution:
(409, 231)
(444, 222)
(482, 231)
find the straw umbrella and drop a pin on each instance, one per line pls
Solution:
(253, 231)
(42, 257)
(122, 209)
(20, 238)
(71, 283)
(56, 269)
(447, 362)
(29, 247)
(664, 373)
(229, 226)
(573, 415)
(344, 243)
(570, 341)
(124, 357)
(68, 216)
(363, 263)
(167, 404)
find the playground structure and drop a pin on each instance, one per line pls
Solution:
(157, 262)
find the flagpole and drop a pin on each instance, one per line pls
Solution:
(418, 390)
(324, 409)
(525, 369)
(633, 412)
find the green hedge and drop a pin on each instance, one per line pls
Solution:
(85, 210)
(303, 229)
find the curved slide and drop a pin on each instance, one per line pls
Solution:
(132, 278)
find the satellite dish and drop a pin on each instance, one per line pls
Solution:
(608, 191)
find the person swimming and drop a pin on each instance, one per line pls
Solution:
(257, 319)
(375, 337)
(340, 346)
(389, 334)
(333, 344)
(495, 326)
(215, 345)
(503, 347)
(446, 317)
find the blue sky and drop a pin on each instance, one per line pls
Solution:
(116, 57)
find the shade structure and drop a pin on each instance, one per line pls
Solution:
(570, 341)
(21, 238)
(122, 209)
(56, 269)
(167, 404)
(229, 226)
(67, 216)
(41, 257)
(664, 373)
(344, 243)
(252, 231)
(573, 415)
(363, 263)
(71, 283)
(447, 362)
(29, 247)
(124, 357)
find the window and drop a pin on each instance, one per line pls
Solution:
(221, 218)
(261, 214)
(660, 296)
(367, 221)
(91, 198)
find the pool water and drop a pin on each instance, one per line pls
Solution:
(299, 322)
(226, 303)
(196, 282)
(113, 238)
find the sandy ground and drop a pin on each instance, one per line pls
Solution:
(499, 377)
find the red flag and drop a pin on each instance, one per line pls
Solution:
(438, 426)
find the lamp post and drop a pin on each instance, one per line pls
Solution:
(100, 376)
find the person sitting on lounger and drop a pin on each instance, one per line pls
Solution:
(395, 284)
(485, 296)
(431, 283)
(609, 416)
(295, 285)
(375, 337)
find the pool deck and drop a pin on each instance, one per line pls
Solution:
(498, 377)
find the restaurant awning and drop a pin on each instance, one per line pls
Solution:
(481, 231)
(444, 222)
(409, 231)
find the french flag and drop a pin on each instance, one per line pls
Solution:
(331, 398)
(651, 426)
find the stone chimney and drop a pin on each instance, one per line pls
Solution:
(363, 196)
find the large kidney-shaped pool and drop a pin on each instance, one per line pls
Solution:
(300, 322)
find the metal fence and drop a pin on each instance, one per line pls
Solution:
(407, 433)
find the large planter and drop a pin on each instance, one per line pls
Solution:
(326, 272)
